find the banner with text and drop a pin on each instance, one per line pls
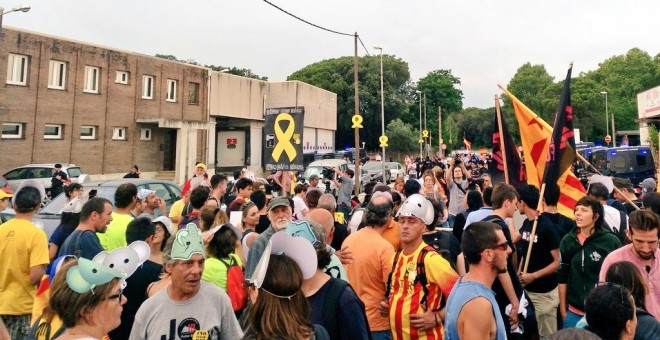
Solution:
(283, 135)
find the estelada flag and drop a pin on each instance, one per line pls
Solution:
(535, 135)
(561, 154)
(468, 145)
(514, 165)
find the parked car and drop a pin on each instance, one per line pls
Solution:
(43, 173)
(396, 170)
(323, 169)
(374, 171)
(4, 185)
(50, 214)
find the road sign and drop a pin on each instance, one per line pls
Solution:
(444, 146)
(608, 139)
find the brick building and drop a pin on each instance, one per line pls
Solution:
(100, 108)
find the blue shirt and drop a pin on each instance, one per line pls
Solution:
(477, 216)
(462, 293)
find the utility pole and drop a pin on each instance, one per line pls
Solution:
(442, 153)
(357, 112)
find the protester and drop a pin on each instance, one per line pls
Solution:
(94, 218)
(443, 241)
(163, 232)
(249, 222)
(57, 181)
(134, 173)
(68, 223)
(221, 254)
(23, 259)
(279, 214)
(611, 312)
(198, 196)
(472, 311)
(430, 191)
(483, 212)
(615, 220)
(199, 177)
(89, 310)
(280, 310)
(582, 252)
(218, 190)
(563, 225)
(626, 275)
(540, 278)
(126, 198)
(457, 184)
(643, 252)
(175, 310)
(474, 203)
(260, 199)
(430, 277)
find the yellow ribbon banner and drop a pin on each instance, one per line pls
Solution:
(383, 141)
(425, 133)
(357, 122)
(421, 141)
(284, 137)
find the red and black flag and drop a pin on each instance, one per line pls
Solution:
(514, 165)
(561, 153)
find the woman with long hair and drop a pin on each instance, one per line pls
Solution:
(441, 183)
(87, 311)
(430, 191)
(582, 252)
(627, 275)
(163, 232)
(474, 202)
(611, 312)
(250, 220)
(221, 254)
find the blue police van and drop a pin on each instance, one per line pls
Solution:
(633, 162)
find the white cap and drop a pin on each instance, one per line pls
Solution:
(165, 221)
(144, 193)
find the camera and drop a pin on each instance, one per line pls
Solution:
(328, 173)
(474, 182)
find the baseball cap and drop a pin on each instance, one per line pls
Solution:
(144, 193)
(278, 202)
(648, 184)
(201, 165)
(418, 206)
(164, 220)
(4, 195)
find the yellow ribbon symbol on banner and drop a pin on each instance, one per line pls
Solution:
(284, 137)
(421, 141)
(339, 217)
(383, 141)
(425, 133)
(357, 122)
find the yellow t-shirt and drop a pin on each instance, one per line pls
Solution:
(215, 272)
(177, 208)
(115, 236)
(22, 246)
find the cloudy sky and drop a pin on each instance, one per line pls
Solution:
(483, 42)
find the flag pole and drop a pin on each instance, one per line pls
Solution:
(539, 206)
(499, 126)
(582, 159)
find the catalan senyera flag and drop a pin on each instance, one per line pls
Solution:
(468, 145)
(535, 135)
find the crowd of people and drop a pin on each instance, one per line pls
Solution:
(444, 254)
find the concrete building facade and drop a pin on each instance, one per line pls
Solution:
(100, 108)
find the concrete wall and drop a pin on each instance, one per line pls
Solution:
(648, 107)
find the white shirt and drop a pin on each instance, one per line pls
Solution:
(613, 218)
(298, 207)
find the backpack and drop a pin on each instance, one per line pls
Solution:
(420, 277)
(41, 329)
(235, 285)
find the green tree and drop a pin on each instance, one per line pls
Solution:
(244, 72)
(402, 137)
(533, 86)
(336, 75)
(441, 90)
(477, 127)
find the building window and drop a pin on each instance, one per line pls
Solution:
(57, 75)
(122, 77)
(12, 130)
(119, 133)
(88, 132)
(92, 74)
(171, 90)
(17, 69)
(145, 134)
(147, 87)
(53, 131)
(193, 93)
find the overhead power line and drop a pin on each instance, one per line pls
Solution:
(307, 22)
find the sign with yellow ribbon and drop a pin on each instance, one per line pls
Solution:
(420, 141)
(383, 141)
(283, 132)
(425, 133)
(357, 122)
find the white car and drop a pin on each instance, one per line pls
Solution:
(396, 170)
(43, 173)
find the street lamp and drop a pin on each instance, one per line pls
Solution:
(15, 9)
(607, 120)
(382, 106)
(420, 122)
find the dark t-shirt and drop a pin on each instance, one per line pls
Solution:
(444, 243)
(84, 241)
(341, 233)
(351, 318)
(545, 240)
(630, 208)
(59, 236)
(562, 224)
(56, 183)
(135, 293)
(132, 175)
(264, 223)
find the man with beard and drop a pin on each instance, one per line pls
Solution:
(188, 308)
(279, 214)
(472, 312)
(643, 252)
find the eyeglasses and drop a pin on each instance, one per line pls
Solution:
(502, 246)
(116, 296)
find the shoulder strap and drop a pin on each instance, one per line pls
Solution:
(460, 187)
(330, 306)
(389, 278)
(76, 245)
(421, 272)
(232, 262)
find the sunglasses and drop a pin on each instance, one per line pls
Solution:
(502, 246)
(116, 296)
